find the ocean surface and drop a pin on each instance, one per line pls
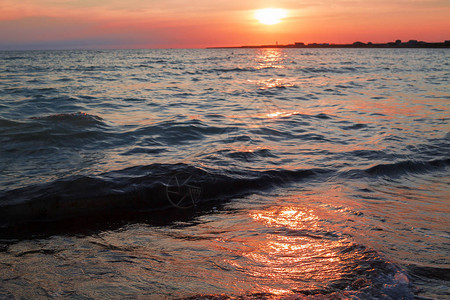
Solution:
(252, 173)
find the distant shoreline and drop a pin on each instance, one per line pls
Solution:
(396, 44)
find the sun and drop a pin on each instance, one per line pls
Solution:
(270, 16)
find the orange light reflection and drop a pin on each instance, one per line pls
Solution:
(270, 58)
(294, 251)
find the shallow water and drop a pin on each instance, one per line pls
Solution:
(269, 172)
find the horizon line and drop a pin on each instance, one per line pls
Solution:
(356, 44)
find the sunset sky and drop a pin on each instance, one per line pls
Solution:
(74, 24)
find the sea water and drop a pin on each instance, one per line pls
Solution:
(264, 173)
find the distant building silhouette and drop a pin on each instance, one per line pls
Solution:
(357, 44)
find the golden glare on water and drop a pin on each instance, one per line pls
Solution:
(270, 16)
(292, 252)
(270, 58)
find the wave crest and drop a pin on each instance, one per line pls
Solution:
(405, 167)
(152, 187)
(77, 117)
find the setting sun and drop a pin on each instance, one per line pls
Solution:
(270, 16)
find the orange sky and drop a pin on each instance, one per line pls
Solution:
(56, 24)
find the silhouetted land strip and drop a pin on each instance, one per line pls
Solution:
(396, 44)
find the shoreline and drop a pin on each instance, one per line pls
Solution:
(397, 45)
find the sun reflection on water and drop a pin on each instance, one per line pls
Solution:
(296, 251)
(289, 217)
(270, 58)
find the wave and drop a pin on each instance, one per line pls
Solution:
(6, 123)
(340, 70)
(176, 132)
(75, 118)
(227, 70)
(430, 272)
(15, 57)
(238, 69)
(247, 155)
(65, 130)
(137, 189)
(407, 167)
(162, 186)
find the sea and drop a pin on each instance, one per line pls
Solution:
(225, 173)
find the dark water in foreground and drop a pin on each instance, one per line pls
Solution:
(252, 172)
